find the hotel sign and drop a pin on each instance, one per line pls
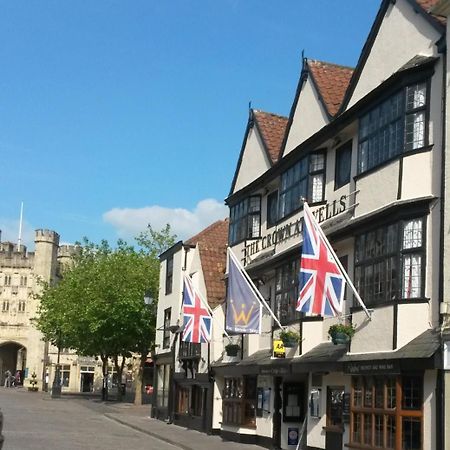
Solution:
(293, 229)
(372, 367)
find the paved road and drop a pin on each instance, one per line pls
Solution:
(33, 421)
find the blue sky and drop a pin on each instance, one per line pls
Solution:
(114, 113)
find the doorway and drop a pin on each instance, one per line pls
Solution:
(334, 429)
(87, 382)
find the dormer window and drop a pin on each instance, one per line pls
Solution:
(245, 219)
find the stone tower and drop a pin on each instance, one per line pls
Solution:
(44, 268)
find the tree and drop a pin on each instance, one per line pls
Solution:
(98, 306)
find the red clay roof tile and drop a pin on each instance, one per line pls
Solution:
(332, 81)
(272, 128)
(212, 244)
(427, 6)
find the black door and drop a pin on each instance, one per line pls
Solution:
(335, 424)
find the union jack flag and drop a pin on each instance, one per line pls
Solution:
(321, 281)
(196, 318)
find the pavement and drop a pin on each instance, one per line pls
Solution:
(138, 418)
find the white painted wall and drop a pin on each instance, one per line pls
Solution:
(316, 434)
(429, 410)
(403, 34)
(264, 424)
(412, 320)
(309, 117)
(382, 181)
(376, 335)
(254, 160)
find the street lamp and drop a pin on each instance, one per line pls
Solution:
(56, 386)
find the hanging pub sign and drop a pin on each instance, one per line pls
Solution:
(278, 349)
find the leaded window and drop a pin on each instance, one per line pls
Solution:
(396, 125)
(286, 291)
(239, 401)
(343, 165)
(384, 422)
(389, 262)
(245, 219)
(305, 179)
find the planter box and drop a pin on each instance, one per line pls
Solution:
(232, 350)
(288, 343)
(340, 338)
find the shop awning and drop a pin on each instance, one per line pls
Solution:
(419, 354)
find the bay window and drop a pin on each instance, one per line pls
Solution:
(389, 262)
(286, 291)
(306, 178)
(395, 126)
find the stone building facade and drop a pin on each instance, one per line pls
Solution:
(22, 347)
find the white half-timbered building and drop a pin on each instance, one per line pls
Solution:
(365, 147)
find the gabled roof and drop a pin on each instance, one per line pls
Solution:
(331, 81)
(422, 7)
(212, 244)
(271, 127)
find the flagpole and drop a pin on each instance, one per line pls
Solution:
(254, 288)
(206, 305)
(338, 262)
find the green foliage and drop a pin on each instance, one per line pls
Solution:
(98, 306)
(290, 335)
(347, 329)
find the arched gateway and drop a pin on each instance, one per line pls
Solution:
(13, 357)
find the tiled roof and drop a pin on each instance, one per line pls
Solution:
(272, 128)
(212, 245)
(331, 81)
(428, 5)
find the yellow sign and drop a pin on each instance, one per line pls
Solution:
(278, 349)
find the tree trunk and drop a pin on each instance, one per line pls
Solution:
(104, 359)
(119, 369)
(138, 382)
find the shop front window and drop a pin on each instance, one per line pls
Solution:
(383, 422)
(239, 401)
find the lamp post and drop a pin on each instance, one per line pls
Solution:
(56, 386)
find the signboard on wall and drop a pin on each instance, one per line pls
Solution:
(278, 349)
(292, 436)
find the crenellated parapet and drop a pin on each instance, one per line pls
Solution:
(15, 256)
(46, 236)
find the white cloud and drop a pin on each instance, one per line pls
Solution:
(10, 231)
(129, 222)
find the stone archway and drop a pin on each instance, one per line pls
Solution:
(13, 357)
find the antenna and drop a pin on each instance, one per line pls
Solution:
(19, 241)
